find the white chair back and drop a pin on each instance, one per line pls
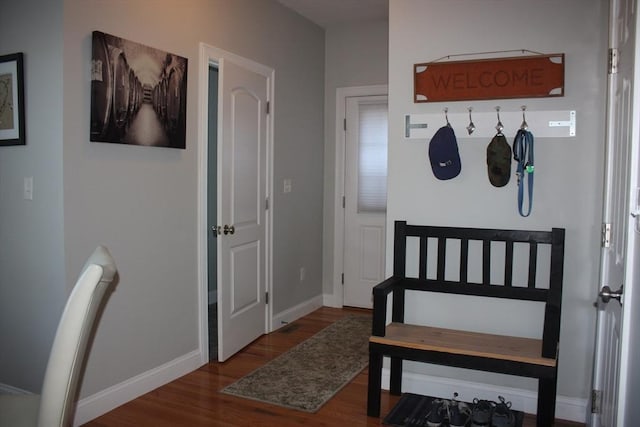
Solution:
(66, 359)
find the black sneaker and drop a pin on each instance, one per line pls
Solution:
(437, 413)
(481, 413)
(502, 415)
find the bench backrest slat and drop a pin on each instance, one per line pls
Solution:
(533, 264)
(508, 265)
(442, 254)
(464, 260)
(486, 262)
(422, 268)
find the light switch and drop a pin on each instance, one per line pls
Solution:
(287, 186)
(28, 188)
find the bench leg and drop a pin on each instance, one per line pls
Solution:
(546, 402)
(375, 384)
(395, 380)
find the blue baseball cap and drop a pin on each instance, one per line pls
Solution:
(444, 154)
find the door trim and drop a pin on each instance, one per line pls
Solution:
(342, 93)
(210, 55)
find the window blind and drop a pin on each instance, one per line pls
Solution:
(372, 158)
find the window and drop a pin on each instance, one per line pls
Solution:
(372, 157)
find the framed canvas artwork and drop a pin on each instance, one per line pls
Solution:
(138, 94)
(12, 126)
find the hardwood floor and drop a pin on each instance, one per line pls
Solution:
(194, 400)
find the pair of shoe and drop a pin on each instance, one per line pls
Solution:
(456, 413)
(487, 413)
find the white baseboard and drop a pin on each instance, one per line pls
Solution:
(9, 389)
(104, 401)
(294, 313)
(567, 408)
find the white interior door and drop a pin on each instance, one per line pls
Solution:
(365, 197)
(242, 210)
(612, 373)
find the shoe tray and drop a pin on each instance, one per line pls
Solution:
(412, 410)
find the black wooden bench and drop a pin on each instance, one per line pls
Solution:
(526, 357)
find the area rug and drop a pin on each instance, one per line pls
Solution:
(312, 372)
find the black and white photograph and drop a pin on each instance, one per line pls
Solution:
(12, 126)
(138, 94)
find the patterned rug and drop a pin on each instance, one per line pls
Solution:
(312, 372)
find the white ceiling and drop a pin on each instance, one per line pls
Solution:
(327, 13)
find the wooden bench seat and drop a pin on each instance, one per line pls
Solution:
(516, 349)
(512, 355)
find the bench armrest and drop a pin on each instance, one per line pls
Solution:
(380, 293)
(385, 287)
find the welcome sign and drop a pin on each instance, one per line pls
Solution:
(499, 78)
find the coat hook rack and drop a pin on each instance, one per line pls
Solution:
(524, 125)
(545, 124)
(471, 127)
(499, 126)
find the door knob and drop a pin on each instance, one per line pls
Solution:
(228, 229)
(606, 294)
(216, 230)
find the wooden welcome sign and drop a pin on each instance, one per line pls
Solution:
(500, 78)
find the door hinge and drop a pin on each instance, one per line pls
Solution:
(613, 60)
(606, 235)
(268, 107)
(344, 124)
(266, 297)
(342, 279)
(266, 204)
(596, 401)
(344, 202)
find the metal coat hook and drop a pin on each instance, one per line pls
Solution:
(471, 127)
(446, 116)
(524, 125)
(499, 126)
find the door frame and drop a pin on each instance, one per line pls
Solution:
(342, 93)
(626, 384)
(213, 56)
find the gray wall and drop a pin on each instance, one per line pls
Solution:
(142, 202)
(568, 179)
(355, 55)
(32, 272)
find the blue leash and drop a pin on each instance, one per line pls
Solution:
(523, 154)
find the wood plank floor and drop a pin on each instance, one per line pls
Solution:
(195, 400)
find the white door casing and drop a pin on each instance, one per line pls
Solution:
(614, 330)
(245, 130)
(629, 382)
(365, 229)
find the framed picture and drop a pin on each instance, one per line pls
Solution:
(12, 126)
(138, 94)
